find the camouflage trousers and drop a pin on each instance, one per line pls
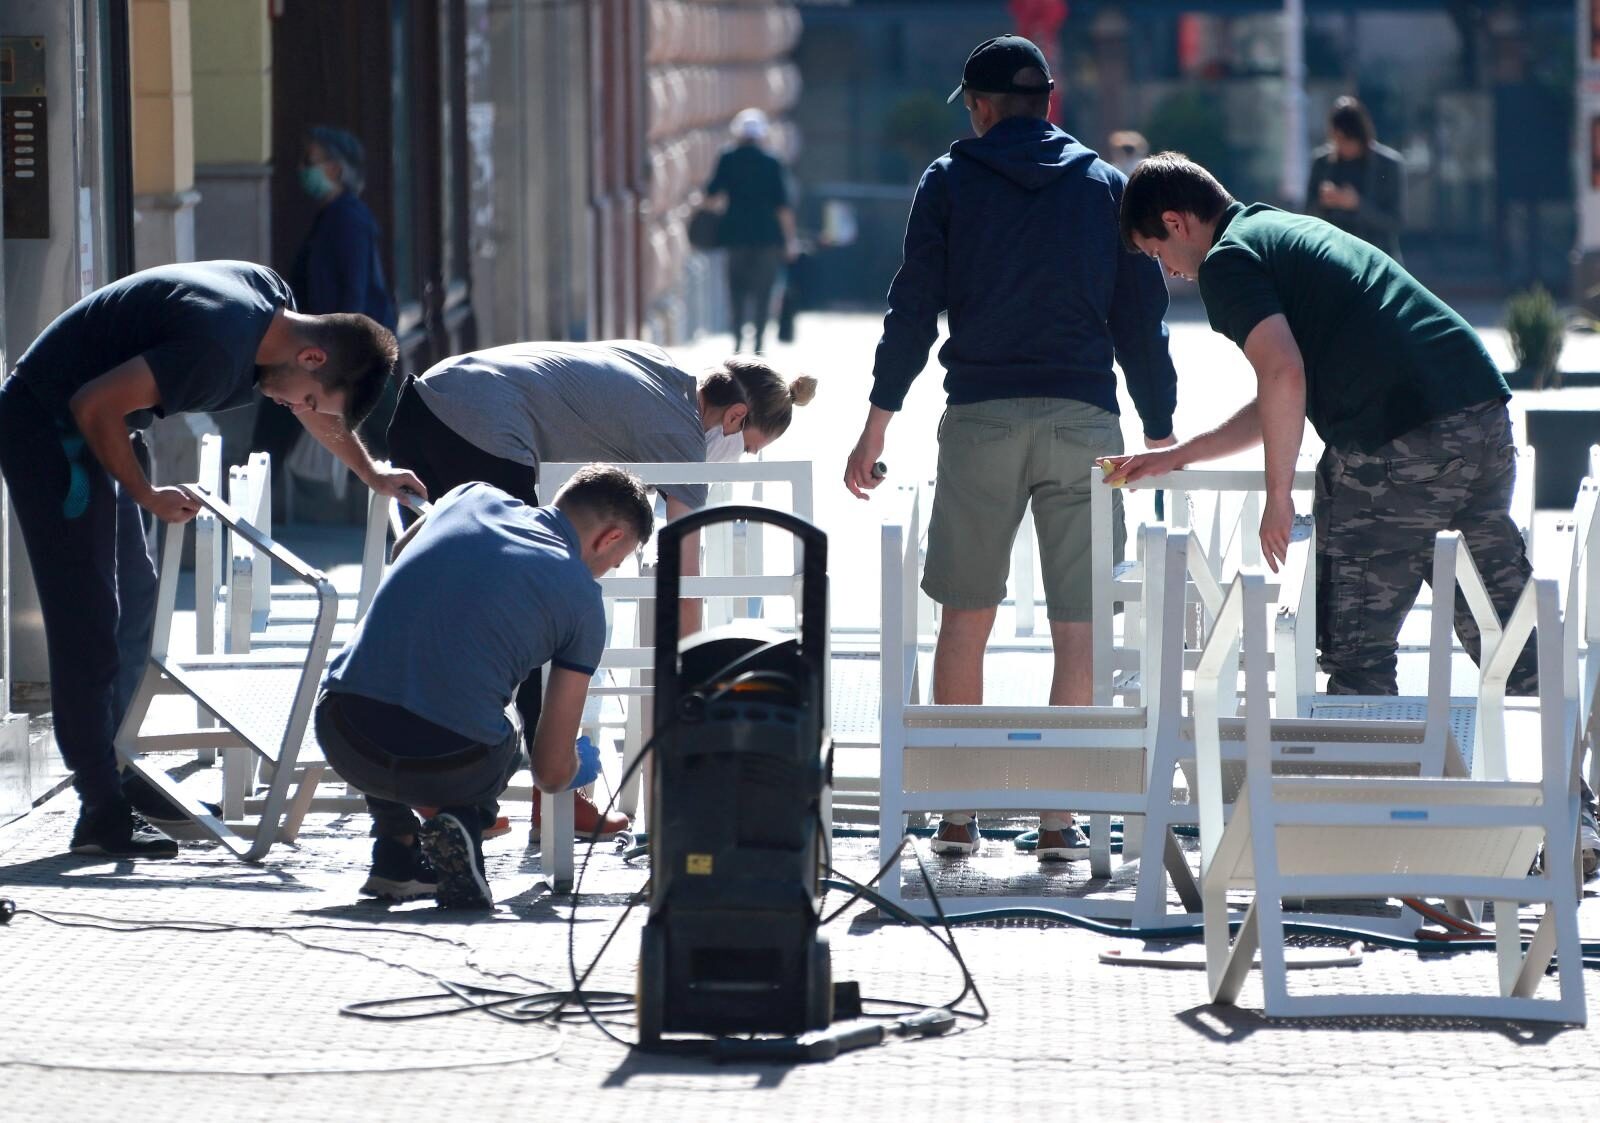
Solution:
(1377, 513)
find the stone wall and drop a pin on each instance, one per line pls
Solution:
(705, 62)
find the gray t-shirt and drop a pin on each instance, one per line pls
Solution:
(488, 590)
(620, 400)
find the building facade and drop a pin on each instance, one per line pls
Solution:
(531, 165)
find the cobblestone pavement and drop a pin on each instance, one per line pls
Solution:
(243, 1022)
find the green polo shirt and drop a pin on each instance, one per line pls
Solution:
(1382, 354)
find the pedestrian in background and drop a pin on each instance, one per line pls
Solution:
(1356, 183)
(1127, 149)
(339, 268)
(757, 228)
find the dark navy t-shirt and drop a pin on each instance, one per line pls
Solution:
(754, 183)
(198, 325)
(489, 590)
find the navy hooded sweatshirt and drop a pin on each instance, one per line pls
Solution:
(1015, 235)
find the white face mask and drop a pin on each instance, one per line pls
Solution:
(723, 448)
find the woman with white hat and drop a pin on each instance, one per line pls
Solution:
(757, 227)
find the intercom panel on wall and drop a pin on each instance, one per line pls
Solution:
(24, 137)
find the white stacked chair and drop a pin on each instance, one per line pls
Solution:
(1228, 502)
(1106, 759)
(239, 610)
(1098, 759)
(257, 706)
(1581, 586)
(1319, 837)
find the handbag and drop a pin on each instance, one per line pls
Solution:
(705, 229)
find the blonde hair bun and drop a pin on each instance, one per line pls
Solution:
(803, 389)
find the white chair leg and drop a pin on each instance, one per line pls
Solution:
(1540, 951)
(1100, 846)
(1228, 962)
(1508, 944)
(1132, 837)
(238, 774)
(556, 857)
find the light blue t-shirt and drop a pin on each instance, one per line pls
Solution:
(487, 591)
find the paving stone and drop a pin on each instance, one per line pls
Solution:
(248, 1021)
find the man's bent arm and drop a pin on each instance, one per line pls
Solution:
(1239, 432)
(334, 435)
(100, 409)
(555, 761)
(1280, 399)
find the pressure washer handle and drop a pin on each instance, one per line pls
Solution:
(669, 555)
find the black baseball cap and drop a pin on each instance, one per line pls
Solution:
(992, 64)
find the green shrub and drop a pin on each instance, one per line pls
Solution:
(1538, 332)
(920, 127)
(1191, 121)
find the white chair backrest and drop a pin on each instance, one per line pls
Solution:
(900, 537)
(1229, 498)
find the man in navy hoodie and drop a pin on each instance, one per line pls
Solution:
(1014, 233)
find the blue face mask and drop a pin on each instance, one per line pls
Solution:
(315, 182)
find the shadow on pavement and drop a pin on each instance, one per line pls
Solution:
(1229, 1025)
(73, 870)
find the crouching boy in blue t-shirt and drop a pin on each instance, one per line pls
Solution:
(414, 711)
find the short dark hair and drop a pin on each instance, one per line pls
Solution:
(1169, 181)
(1020, 104)
(609, 494)
(361, 358)
(1350, 118)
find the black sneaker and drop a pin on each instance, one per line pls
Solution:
(456, 853)
(154, 804)
(119, 831)
(399, 872)
(162, 813)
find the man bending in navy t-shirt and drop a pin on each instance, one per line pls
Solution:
(418, 710)
(178, 339)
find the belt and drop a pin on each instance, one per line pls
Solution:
(365, 748)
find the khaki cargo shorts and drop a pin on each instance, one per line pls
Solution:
(994, 458)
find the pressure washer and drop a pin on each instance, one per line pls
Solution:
(736, 790)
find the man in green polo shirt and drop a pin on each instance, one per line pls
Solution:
(1399, 387)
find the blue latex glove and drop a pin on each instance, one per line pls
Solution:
(588, 764)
